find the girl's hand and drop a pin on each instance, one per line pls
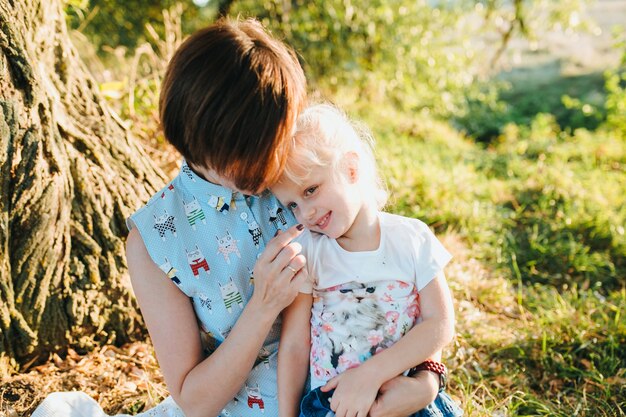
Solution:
(403, 396)
(279, 273)
(355, 392)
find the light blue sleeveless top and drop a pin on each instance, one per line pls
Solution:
(206, 238)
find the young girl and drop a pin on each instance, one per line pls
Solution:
(380, 303)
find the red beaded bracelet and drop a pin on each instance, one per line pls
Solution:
(432, 366)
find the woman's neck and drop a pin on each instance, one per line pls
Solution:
(213, 177)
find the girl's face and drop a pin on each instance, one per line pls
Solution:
(326, 202)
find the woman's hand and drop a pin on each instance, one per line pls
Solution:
(279, 273)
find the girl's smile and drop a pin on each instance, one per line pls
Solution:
(323, 222)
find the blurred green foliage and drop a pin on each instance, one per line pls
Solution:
(406, 52)
(616, 93)
(616, 102)
(591, 101)
(574, 101)
(418, 55)
(113, 23)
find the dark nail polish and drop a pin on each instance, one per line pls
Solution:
(277, 232)
(300, 226)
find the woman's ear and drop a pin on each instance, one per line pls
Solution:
(351, 166)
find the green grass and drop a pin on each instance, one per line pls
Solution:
(536, 222)
(575, 101)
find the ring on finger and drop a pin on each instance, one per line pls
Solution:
(292, 269)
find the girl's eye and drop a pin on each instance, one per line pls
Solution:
(310, 191)
(292, 206)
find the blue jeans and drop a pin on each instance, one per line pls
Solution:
(316, 404)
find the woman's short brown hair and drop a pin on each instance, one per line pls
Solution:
(229, 101)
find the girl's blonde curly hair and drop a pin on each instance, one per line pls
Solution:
(324, 136)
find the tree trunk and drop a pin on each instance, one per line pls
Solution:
(69, 176)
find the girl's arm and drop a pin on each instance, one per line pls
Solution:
(403, 396)
(423, 341)
(173, 328)
(293, 354)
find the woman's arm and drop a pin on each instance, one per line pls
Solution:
(293, 354)
(173, 328)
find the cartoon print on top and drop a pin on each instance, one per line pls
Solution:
(212, 201)
(205, 302)
(255, 231)
(230, 295)
(254, 397)
(227, 245)
(197, 261)
(219, 204)
(164, 223)
(277, 215)
(169, 271)
(195, 269)
(169, 187)
(222, 205)
(187, 171)
(194, 212)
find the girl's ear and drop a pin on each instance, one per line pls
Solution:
(351, 165)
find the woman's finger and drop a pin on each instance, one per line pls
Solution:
(275, 246)
(287, 257)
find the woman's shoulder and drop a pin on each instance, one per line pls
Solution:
(137, 257)
(134, 244)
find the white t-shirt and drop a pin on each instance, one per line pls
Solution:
(408, 251)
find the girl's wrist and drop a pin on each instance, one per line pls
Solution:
(433, 367)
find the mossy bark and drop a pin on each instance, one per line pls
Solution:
(69, 176)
